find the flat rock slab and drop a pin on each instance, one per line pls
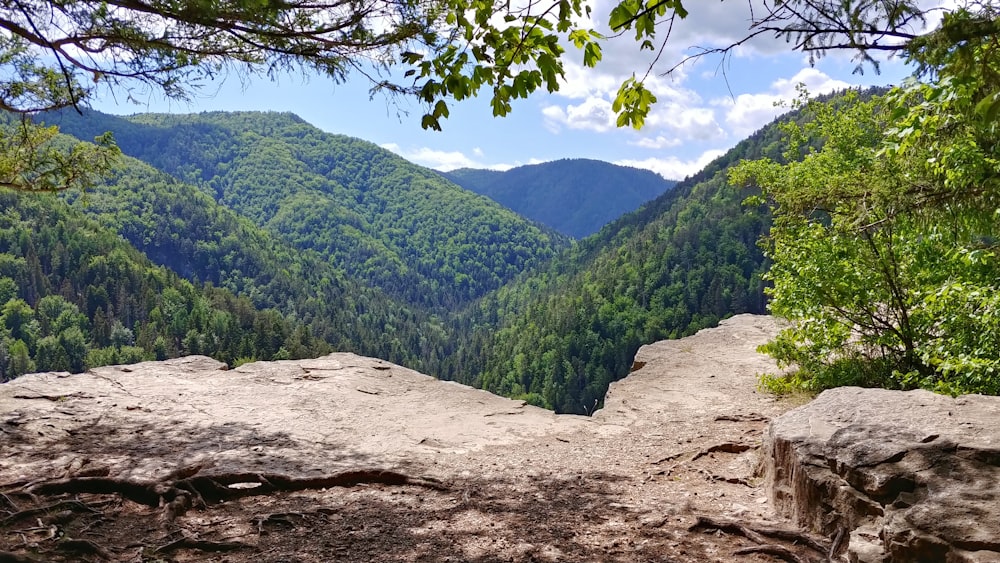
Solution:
(678, 439)
(300, 417)
(911, 476)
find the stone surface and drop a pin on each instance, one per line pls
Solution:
(910, 476)
(677, 439)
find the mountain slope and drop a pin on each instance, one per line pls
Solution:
(185, 230)
(575, 197)
(367, 211)
(74, 294)
(678, 264)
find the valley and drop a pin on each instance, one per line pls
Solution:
(329, 243)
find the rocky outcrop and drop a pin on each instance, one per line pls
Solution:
(903, 476)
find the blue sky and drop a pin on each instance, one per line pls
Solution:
(704, 109)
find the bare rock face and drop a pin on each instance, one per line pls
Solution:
(904, 476)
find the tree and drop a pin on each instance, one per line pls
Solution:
(884, 243)
(60, 53)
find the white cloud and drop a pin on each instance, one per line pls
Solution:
(446, 161)
(673, 168)
(436, 159)
(658, 142)
(749, 112)
(592, 114)
(685, 122)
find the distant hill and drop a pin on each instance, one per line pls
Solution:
(371, 214)
(678, 264)
(576, 197)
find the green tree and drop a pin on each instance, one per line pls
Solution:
(19, 318)
(50, 355)
(74, 344)
(884, 240)
(445, 49)
(20, 359)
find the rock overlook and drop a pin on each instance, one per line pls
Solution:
(352, 459)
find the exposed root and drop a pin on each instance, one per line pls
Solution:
(291, 519)
(8, 557)
(752, 417)
(757, 532)
(58, 507)
(201, 545)
(778, 551)
(726, 447)
(720, 479)
(178, 496)
(83, 547)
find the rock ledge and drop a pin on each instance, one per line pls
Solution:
(910, 476)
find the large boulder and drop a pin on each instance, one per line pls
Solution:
(901, 476)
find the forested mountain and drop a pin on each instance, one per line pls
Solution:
(74, 294)
(181, 228)
(370, 213)
(677, 265)
(575, 197)
(311, 227)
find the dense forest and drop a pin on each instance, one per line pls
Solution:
(346, 247)
(681, 263)
(369, 213)
(576, 197)
(241, 261)
(74, 294)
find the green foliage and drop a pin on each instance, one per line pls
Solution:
(32, 160)
(372, 215)
(884, 239)
(82, 297)
(600, 192)
(559, 337)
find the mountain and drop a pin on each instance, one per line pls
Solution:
(576, 197)
(326, 232)
(74, 294)
(680, 263)
(373, 215)
(183, 229)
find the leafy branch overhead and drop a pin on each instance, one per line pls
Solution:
(58, 53)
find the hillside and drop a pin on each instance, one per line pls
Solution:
(576, 197)
(262, 191)
(74, 294)
(679, 264)
(185, 230)
(369, 213)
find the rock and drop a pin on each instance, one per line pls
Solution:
(907, 476)
(302, 417)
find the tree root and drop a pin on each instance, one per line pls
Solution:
(201, 545)
(778, 551)
(179, 495)
(726, 447)
(757, 532)
(83, 547)
(62, 505)
(8, 557)
(721, 479)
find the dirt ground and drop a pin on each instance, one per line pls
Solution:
(352, 459)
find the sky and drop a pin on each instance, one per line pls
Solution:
(703, 109)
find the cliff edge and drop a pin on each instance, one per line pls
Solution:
(345, 458)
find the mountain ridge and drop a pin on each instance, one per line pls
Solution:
(576, 197)
(396, 225)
